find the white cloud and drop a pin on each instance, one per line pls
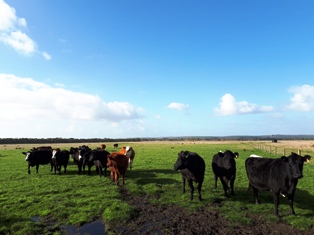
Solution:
(178, 106)
(11, 32)
(46, 55)
(229, 106)
(20, 42)
(26, 99)
(302, 99)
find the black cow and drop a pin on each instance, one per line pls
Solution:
(280, 176)
(60, 158)
(224, 168)
(79, 156)
(37, 157)
(115, 145)
(192, 168)
(98, 158)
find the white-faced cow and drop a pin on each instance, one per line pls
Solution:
(80, 156)
(37, 157)
(60, 158)
(130, 153)
(280, 176)
(224, 168)
(192, 167)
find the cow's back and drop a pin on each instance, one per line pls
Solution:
(121, 162)
(196, 165)
(41, 157)
(259, 171)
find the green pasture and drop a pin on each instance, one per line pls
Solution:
(29, 203)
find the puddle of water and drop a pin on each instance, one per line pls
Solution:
(93, 228)
(35, 219)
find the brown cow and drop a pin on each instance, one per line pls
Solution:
(130, 153)
(118, 164)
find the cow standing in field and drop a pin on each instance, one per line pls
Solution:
(60, 158)
(79, 156)
(37, 157)
(224, 168)
(130, 153)
(115, 146)
(118, 164)
(192, 167)
(280, 176)
(99, 158)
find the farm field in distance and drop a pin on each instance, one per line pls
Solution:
(151, 201)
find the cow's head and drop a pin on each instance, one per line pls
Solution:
(26, 155)
(54, 153)
(228, 159)
(296, 162)
(181, 161)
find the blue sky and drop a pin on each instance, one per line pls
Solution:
(119, 69)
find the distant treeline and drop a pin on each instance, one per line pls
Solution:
(182, 138)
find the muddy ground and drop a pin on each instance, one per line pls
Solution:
(161, 219)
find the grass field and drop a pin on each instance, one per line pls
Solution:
(29, 202)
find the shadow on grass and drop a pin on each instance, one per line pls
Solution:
(152, 176)
(302, 199)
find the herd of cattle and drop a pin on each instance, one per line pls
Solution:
(83, 156)
(280, 176)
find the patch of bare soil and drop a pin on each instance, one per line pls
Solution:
(162, 219)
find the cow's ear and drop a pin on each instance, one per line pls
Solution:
(236, 154)
(284, 158)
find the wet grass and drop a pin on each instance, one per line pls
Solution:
(76, 199)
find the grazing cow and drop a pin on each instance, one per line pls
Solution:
(118, 164)
(99, 158)
(130, 153)
(224, 168)
(280, 176)
(37, 157)
(192, 167)
(60, 158)
(115, 146)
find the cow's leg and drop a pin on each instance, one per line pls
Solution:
(65, 168)
(100, 171)
(224, 184)
(105, 171)
(123, 179)
(255, 194)
(276, 202)
(290, 201)
(51, 164)
(29, 168)
(37, 166)
(232, 185)
(191, 188)
(215, 179)
(183, 184)
(117, 178)
(199, 188)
